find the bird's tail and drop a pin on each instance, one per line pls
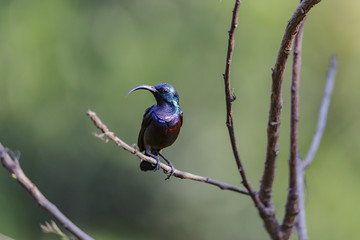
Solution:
(146, 166)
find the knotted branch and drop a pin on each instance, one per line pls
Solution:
(177, 173)
(13, 166)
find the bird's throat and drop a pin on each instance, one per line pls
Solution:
(165, 108)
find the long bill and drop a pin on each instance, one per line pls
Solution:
(147, 87)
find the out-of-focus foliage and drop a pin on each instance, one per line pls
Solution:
(59, 58)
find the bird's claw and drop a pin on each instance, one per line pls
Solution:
(156, 166)
(171, 172)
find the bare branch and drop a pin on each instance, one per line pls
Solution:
(301, 218)
(177, 173)
(292, 203)
(323, 112)
(230, 98)
(13, 166)
(301, 221)
(266, 213)
(276, 98)
(228, 94)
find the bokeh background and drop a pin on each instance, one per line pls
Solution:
(59, 58)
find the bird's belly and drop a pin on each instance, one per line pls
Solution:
(158, 138)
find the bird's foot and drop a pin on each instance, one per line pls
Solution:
(156, 166)
(170, 165)
(171, 172)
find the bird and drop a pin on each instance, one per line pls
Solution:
(161, 124)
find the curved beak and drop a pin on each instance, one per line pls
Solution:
(147, 87)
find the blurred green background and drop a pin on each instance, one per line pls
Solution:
(59, 58)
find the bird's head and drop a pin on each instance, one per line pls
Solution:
(164, 93)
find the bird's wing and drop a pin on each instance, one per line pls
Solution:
(145, 123)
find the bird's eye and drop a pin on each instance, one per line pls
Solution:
(164, 90)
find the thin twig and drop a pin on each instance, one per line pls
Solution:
(53, 228)
(273, 130)
(13, 166)
(177, 173)
(323, 113)
(230, 98)
(292, 203)
(301, 221)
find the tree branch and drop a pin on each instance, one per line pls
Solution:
(13, 166)
(230, 97)
(292, 203)
(301, 218)
(301, 222)
(267, 214)
(323, 113)
(273, 129)
(177, 173)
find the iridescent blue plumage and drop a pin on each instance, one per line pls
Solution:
(161, 123)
